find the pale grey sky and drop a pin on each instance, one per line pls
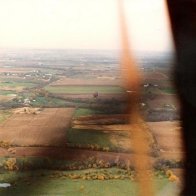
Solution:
(82, 24)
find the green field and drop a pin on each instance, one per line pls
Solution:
(17, 84)
(44, 182)
(86, 112)
(48, 101)
(84, 89)
(169, 90)
(4, 115)
(96, 139)
(4, 92)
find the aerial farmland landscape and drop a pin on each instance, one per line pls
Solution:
(63, 123)
(88, 105)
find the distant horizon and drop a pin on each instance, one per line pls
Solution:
(82, 49)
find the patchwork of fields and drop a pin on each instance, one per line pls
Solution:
(62, 127)
(72, 117)
(49, 132)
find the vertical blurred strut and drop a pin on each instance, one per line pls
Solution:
(129, 70)
(132, 82)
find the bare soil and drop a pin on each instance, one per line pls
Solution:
(48, 128)
(169, 139)
(64, 81)
(5, 98)
(14, 70)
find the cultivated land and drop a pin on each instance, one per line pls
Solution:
(68, 114)
(45, 136)
(99, 81)
(47, 128)
(84, 89)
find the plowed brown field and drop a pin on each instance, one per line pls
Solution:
(48, 128)
(169, 138)
(64, 81)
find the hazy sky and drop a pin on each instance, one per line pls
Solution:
(89, 24)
